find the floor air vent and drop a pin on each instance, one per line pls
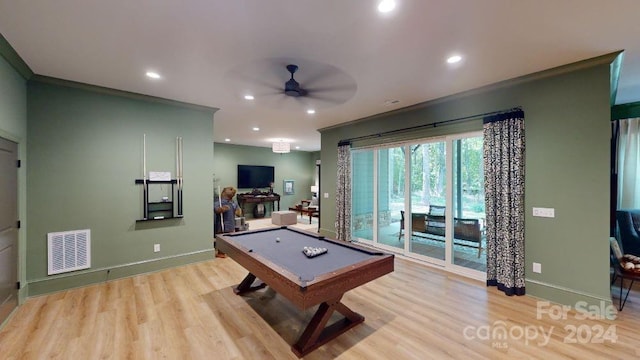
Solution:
(69, 251)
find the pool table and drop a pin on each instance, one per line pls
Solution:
(275, 257)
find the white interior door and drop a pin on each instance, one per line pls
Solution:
(8, 227)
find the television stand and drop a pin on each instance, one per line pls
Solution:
(258, 198)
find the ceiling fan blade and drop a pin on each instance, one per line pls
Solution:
(280, 102)
(308, 77)
(329, 100)
(252, 79)
(332, 88)
(267, 94)
(258, 83)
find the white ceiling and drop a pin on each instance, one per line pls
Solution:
(211, 52)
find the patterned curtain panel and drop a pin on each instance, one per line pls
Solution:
(343, 193)
(504, 194)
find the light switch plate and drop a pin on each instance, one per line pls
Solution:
(544, 212)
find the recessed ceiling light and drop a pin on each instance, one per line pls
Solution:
(297, 147)
(385, 6)
(454, 59)
(227, 139)
(153, 75)
(256, 129)
(311, 111)
(249, 97)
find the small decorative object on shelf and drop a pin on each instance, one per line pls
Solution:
(160, 206)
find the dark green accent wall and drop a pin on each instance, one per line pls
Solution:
(85, 151)
(298, 166)
(567, 114)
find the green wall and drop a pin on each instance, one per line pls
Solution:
(567, 114)
(85, 151)
(13, 126)
(298, 166)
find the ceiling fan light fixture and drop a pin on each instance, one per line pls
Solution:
(281, 147)
(292, 87)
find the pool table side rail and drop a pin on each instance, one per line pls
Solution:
(361, 248)
(330, 285)
(320, 289)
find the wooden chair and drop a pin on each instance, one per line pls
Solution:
(435, 220)
(418, 222)
(468, 230)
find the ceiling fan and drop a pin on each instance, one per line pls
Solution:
(321, 85)
(292, 87)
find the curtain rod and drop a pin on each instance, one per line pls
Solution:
(417, 127)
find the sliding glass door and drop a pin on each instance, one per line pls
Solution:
(428, 199)
(391, 180)
(423, 199)
(362, 195)
(468, 204)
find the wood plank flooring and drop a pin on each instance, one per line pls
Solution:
(191, 312)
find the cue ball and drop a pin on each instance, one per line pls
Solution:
(277, 239)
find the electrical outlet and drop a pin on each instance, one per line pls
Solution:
(537, 268)
(544, 212)
(156, 247)
(326, 195)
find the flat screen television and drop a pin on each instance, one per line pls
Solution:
(255, 176)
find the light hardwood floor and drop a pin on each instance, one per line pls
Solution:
(191, 312)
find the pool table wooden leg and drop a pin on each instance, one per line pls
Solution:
(245, 285)
(317, 334)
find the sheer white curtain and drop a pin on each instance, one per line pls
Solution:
(629, 164)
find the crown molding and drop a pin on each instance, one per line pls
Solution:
(8, 53)
(114, 92)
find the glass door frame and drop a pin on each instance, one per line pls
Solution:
(449, 258)
(446, 264)
(441, 263)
